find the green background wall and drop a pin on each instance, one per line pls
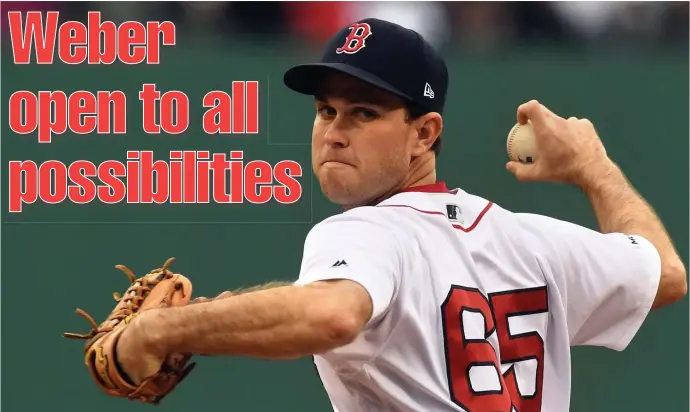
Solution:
(59, 257)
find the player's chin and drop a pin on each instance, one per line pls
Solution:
(339, 187)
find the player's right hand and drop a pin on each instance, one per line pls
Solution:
(568, 150)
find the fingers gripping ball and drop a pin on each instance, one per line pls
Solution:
(521, 145)
(157, 289)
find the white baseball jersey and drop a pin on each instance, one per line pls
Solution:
(475, 308)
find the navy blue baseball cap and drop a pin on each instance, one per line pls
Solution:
(385, 55)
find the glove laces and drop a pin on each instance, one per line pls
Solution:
(132, 299)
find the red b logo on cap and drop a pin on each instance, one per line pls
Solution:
(355, 40)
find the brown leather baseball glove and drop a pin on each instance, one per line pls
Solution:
(159, 288)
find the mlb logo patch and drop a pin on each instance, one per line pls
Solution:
(454, 213)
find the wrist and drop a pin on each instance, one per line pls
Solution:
(149, 328)
(598, 177)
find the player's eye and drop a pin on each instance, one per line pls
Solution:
(365, 114)
(325, 111)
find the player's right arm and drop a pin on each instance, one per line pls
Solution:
(607, 280)
(570, 151)
(620, 209)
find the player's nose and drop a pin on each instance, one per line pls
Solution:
(335, 136)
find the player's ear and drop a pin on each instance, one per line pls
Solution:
(428, 128)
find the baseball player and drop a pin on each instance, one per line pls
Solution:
(422, 298)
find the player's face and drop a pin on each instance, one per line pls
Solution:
(361, 142)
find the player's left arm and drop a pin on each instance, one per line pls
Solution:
(242, 291)
(326, 308)
(281, 322)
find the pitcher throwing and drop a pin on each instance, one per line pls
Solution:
(421, 298)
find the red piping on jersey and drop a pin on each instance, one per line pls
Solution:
(477, 220)
(428, 212)
(438, 187)
(433, 212)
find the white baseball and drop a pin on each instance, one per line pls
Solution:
(521, 146)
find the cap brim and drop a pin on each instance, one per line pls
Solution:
(306, 78)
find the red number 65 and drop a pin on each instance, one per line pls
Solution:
(474, 373)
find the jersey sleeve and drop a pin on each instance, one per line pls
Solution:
(607, 282)
(352, 247)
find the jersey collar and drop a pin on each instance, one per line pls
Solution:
(438, 187)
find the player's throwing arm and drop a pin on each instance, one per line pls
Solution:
(570, 151)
